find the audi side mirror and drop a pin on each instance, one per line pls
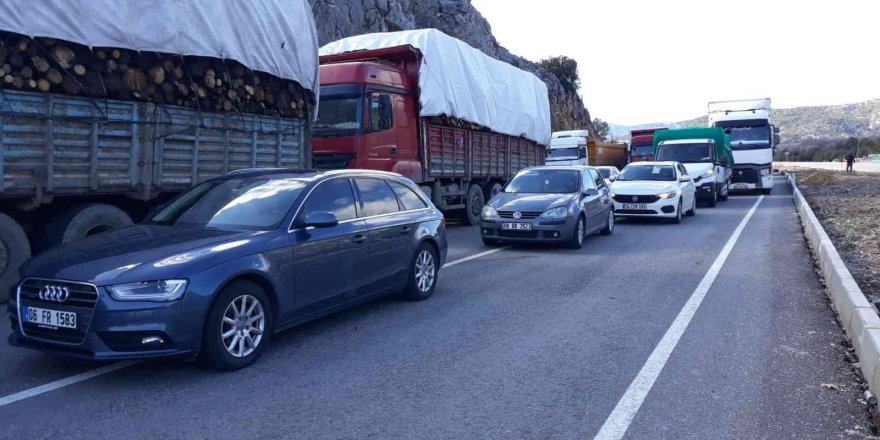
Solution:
(320, 219)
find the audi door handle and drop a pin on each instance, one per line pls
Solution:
(359, 239)
(405, 230)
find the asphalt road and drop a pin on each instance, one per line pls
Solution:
(527, 342)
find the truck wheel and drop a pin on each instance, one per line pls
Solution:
(473, 205)
(714, 200)
(722, 196)
(766, 191)
(83, 221)
(14, 251)
(491, 189)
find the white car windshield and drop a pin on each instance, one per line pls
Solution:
(659, 173)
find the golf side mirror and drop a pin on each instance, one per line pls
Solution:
(589, 192)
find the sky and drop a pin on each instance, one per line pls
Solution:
(644, 61)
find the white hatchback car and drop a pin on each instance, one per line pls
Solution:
(654, 189)
(609, 173)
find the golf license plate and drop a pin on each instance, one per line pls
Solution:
(635, 206)
(516, 226)
(54, 318)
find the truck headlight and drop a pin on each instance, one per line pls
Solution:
(555, 213)
(667, 195)
(488, 212)
(165, 290)
(708, 173)
(765, 172)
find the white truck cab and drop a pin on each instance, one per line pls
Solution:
(753, 136)
(568, 148)
(711, 173)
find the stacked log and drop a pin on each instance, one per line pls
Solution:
(55, 66)
(453, 122)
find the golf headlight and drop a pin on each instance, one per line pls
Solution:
(488, 212)
(556, 213)
(765, 172)
(166, 290)
(667, 195)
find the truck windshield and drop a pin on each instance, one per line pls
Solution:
(253, 203)
(562, 153)
(338, 115)
(544, 182)
(659, 173)
(642, 150)
(746, 138)
(685, 153)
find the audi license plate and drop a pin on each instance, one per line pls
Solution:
(635, 206)
(516, 226)
(48, 317)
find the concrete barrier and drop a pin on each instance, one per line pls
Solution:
(858, 317)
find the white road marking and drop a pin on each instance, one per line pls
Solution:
(61, 383)
(622, 416)
(12, 398)
(474, 257)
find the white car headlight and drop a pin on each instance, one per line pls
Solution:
(488, 212)
(667, 195)
(556, 213)
(165, 290)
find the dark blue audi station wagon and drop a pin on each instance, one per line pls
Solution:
(215, 272)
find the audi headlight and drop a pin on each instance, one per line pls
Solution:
(488, 212)
(166, 290)
(667, 195)
(555, 213)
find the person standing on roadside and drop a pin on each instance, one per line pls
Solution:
(850, 160)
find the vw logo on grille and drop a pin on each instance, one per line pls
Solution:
(635, 198)
(57, 294)
(517, 215)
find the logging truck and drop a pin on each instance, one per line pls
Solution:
(432, 108)
(97, 129)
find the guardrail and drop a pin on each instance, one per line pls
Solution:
(858, 316)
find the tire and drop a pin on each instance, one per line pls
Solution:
(214, 352)
(490, 190)
(577, 239)
(766, 191)
(15, 249)
(82, 221)
(491, 242)
(473, 202)
(723, 195)
(677, 219)
(609, 224)
(714, 200)
(423, 272)
(693, 210)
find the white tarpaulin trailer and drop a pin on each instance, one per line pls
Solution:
(274, 36)
(457, 80)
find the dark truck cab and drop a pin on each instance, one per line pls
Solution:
(369, 118)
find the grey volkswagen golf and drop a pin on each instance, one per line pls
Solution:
(556, 204)
(224, 265)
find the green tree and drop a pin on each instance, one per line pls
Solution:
(602, 129)
(564, 68)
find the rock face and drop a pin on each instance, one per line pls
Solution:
(337, 19)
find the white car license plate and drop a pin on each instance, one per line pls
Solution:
(635, 206)
(739, 186)
(53, 318)
(516, 226)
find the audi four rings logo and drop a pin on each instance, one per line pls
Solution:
(57, 294)
(517, 215)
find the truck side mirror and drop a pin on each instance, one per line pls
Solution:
(776, 139)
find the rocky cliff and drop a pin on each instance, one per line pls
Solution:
(342, 18)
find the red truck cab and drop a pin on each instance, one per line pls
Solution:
(641, 146)
(368, 116)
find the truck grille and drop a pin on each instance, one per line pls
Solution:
(526, 215)
(623, 198)
(332, 161)
(745, 175)
(82, 300)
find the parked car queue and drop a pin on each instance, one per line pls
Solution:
(220, 268)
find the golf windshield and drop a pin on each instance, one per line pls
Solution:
(686, 153)
(643, 150)
(544, 182)
(562, 153)
(658, 173)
